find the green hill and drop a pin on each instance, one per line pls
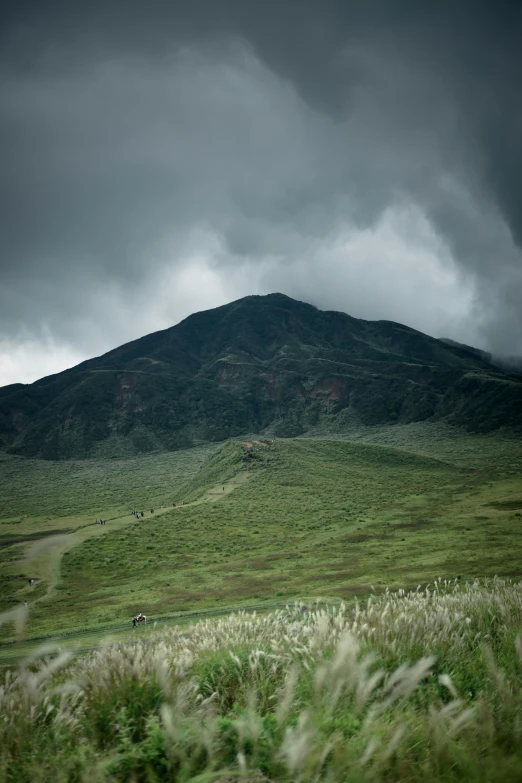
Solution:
(263, 364)
(261, 521)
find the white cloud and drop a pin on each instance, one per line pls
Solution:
(154, 189)
(398, 270)
(27, 360)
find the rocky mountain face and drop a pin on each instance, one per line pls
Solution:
(263, 364)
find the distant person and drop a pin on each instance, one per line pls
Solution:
(26, 604)
(134, 622)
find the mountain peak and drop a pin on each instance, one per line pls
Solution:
(260, 364)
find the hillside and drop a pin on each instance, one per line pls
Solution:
(261, 521)
(263, 364)
(303, 536)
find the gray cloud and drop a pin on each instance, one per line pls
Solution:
(160, 158)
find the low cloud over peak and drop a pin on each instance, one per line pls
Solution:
(162, 158)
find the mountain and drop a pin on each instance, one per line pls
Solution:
(477, 351)
(508, 363)
(263, 364)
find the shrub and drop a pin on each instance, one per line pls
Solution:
(419, 685)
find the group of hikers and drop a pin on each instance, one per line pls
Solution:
(140, 514)
(101, 522)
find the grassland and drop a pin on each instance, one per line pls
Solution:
(34, 493)
(422, 684)
(47, 508)
(299, 518)
(406, 687)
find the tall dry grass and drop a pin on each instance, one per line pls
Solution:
(408, 686)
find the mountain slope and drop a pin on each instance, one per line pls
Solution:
(261, 364)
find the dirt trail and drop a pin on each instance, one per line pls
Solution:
(220, 490)
(44, 555)
(81, 642)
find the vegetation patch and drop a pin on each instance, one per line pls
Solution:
(406, 686)
(266, 522)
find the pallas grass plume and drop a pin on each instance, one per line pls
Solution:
(412, 685)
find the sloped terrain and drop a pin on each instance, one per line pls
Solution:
(260, 523)
(263, 364)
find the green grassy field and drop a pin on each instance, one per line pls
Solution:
(405, 687)
(299, 518)
(401, 686)
(47, 508)
(37, 494)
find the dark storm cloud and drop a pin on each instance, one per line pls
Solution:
(201, 148)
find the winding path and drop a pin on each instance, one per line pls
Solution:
(44, 555)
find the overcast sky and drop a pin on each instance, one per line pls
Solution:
(159, 158)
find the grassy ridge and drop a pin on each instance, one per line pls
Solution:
(223, 466)
(42, 489)
(501, 452)
(314, 518)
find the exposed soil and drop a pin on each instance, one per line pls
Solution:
(10, 539)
